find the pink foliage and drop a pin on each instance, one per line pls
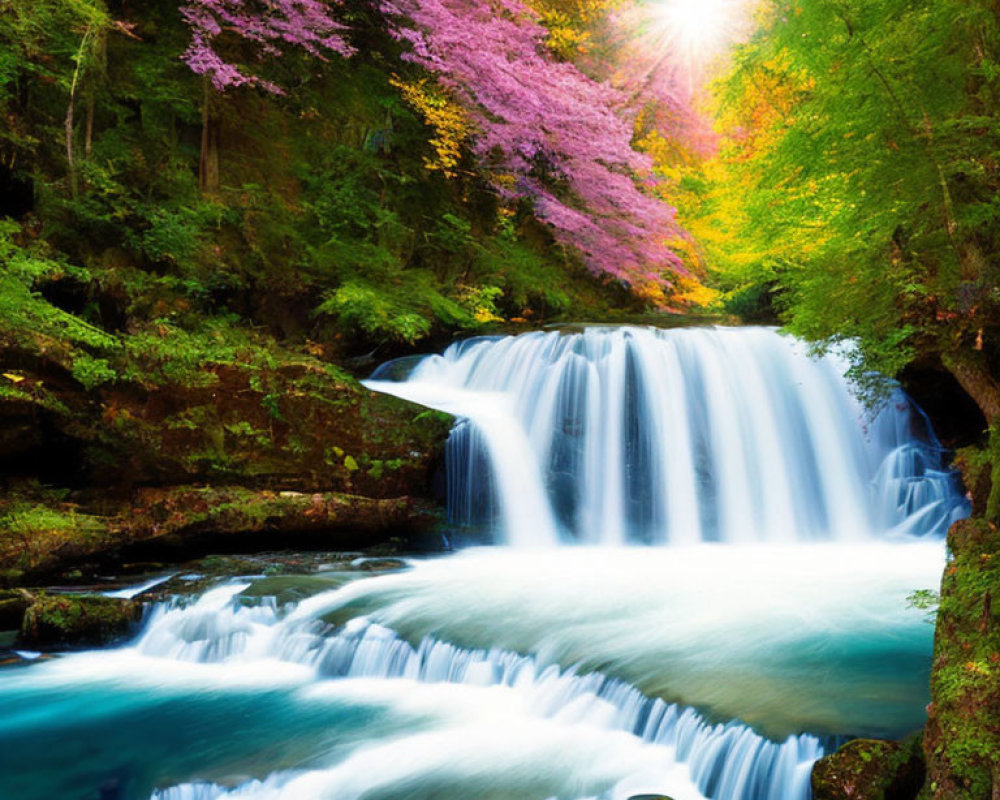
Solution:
(565, 137)
(269, 24)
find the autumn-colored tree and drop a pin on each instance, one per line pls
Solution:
(862, 139)
(548, 132)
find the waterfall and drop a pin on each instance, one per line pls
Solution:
(717, 668)
(724, 761)
(618, 435)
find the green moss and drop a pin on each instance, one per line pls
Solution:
(77, 620)
(870, 769)
(31, 532)
(164, 352)
(963, 738)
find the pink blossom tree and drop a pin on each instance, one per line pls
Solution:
(547, 131)
(564, 137)
(270, 26)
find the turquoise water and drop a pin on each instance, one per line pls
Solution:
(486, 694)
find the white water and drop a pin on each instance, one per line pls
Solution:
(636, 434)
(431, 719)
(492, 721)
(529, 672)
(536, 674)
(790, 638)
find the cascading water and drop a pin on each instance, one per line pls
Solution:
(716, 668)
(615, 435)
(728, 762)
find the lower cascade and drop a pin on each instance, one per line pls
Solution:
(723, 761)
(618, 435)
(769, 622)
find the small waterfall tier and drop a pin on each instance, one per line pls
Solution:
(365, 662)
(617, 435)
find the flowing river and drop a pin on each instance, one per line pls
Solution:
(691, 553)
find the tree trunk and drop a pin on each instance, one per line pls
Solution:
(70, 163)
(208, 170)
(71, 111)
(88, 146)
(974, 376)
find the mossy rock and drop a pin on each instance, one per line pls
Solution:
(870, 769)
(301, 426)
(962, 739)
(43, 540)
(58, 620)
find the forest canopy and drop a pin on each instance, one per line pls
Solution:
(375, 171)
(370, 174)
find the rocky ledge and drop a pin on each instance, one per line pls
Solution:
(297, 453)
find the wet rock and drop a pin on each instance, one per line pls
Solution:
(56, 620)
(870, 769)
(378, 564)
(650, 797)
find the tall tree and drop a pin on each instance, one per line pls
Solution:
(864, 137)
(548, 132)
(262, 26)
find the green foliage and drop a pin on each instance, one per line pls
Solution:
(925, 600)
(34, 324)
(865, 164)
(327, 225)
(24, 518)
(92, 372)
(164, 352)
(965, 683)
(374, 311)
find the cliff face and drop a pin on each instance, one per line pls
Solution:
(277, 450)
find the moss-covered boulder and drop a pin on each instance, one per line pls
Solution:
(870, 769)
(962, 739)
(38, 535)
(59, 620)
(188, 511)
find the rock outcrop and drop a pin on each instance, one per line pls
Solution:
(962, 739)
(870, 769)
(275, 452)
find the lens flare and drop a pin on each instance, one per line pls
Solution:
(692, 33)
(699, 24)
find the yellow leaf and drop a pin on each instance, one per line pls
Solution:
(12, 377)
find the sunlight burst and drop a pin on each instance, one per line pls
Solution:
(698, 28)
